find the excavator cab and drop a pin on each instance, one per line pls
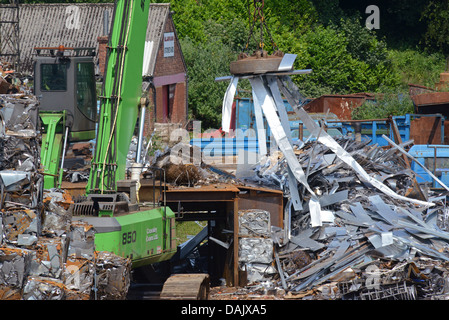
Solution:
(64, 80)
(64, 83)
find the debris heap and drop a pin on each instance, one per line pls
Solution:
(362, 244)
(44, 255)
(11, 81)
(184, 167)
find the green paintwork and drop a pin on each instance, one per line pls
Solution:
(146, 236)
(53, 123)
(141, 237)
(121, 91)
(82, 135)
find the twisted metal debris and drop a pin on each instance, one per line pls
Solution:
(360, 230)
(44, 254)
(352, 215)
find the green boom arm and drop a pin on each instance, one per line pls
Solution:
(54, 124)
(121, 95)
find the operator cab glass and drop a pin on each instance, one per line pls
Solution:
(85, 90)
(53, 77)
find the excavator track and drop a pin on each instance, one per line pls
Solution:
(186, 287)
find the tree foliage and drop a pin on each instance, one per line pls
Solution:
(436, 37)
(328, 36)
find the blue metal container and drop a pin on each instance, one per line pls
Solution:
(246, 131)
(435, 158)
(374, 129)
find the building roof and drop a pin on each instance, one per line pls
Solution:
(52, 25)
(78, 25)
(157, 17)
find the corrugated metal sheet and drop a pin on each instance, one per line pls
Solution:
(157, 17)
(48, 25)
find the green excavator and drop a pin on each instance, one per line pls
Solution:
(146, 235)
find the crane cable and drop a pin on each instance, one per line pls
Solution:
(258, 14)
(118, 97)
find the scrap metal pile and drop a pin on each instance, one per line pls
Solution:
(356, 226)
(11, 81)
(367, 245)
(44, 254)
(362, 242)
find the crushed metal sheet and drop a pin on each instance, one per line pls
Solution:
(254, 222)
(44, 255)
(354, 216)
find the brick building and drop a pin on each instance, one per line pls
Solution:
(164, 70)
(87, 24)
(164, 67)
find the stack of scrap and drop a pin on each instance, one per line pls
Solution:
(56, 212)
(357, 242)
(12, 82)
(21, 184)
(82, 240)
(44, 255)
(113, 274)
(183, 166)
(78, 277)
(255, 244)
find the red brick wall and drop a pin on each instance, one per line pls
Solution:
(179, 105)
(169, 65)
(102, 51)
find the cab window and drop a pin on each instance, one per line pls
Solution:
(53, 77)
(86, 90)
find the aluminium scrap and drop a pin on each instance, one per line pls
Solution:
(354, 203)
(366, 225)
(44, 255)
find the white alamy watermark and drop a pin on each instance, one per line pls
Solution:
(215, 147)
(73, 19)
(373, 20)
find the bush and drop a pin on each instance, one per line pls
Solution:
(415, 67)
(384, 106)
(339, 66)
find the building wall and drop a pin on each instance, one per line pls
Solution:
(168, 71)
(102, 51)
(169, 65)
(171, 71)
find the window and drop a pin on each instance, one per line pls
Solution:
(53, 77)
(86, 90)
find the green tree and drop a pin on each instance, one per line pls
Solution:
(206, 61)
(436, 37)
(341, 67)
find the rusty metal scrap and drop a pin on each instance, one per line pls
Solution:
(113, 274)
(360, 229)
(44, 255)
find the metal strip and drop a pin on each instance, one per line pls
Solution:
(227, 104)
(268, 107)
(287, 62)
(261, 133)
(280, 106)
(272, 83)
(294, 193)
